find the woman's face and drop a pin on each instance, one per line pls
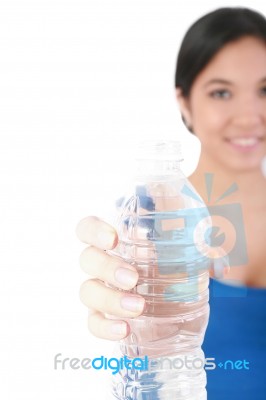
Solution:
(227, 105)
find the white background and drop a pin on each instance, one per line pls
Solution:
(80, 83)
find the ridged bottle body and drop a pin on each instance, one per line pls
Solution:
(164, 228)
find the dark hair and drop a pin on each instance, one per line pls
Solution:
(208, 35)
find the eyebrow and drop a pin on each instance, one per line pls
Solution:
(222, 81)
(225, 82)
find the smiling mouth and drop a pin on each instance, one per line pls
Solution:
(244, 142)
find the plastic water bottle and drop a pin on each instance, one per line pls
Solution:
(164, 229)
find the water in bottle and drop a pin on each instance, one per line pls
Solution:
(164, 231)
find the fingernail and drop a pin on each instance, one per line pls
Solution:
(126, 277)
(218, 267)
(106, 239)
(227, 269)
(132, 303)
(119, 328)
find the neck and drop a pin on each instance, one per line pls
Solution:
(251, 184)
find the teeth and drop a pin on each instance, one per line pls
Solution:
(245, 141)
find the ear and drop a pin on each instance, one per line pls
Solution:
(184, 106)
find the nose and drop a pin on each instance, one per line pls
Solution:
(248, 113)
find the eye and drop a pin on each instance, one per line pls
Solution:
(220, 94)
(263, 91)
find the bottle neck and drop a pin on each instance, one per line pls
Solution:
(157, 169)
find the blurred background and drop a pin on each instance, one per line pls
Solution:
(81, 82)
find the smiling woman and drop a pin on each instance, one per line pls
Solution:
(221, 89)
(222, 99)
(234, 99)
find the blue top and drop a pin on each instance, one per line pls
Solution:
(236, 338)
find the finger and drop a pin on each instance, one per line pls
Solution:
(93, 231)
(219, 270)
(105, 328)
(101, 265)
(94, 294)
(220, 264)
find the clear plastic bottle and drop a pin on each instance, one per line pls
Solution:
(164, 231)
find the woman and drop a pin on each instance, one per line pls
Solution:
(221, 90)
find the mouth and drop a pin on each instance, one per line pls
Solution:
(245, 143)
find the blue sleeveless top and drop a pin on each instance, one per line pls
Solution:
(236, 338)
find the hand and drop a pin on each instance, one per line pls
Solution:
(102, 268)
